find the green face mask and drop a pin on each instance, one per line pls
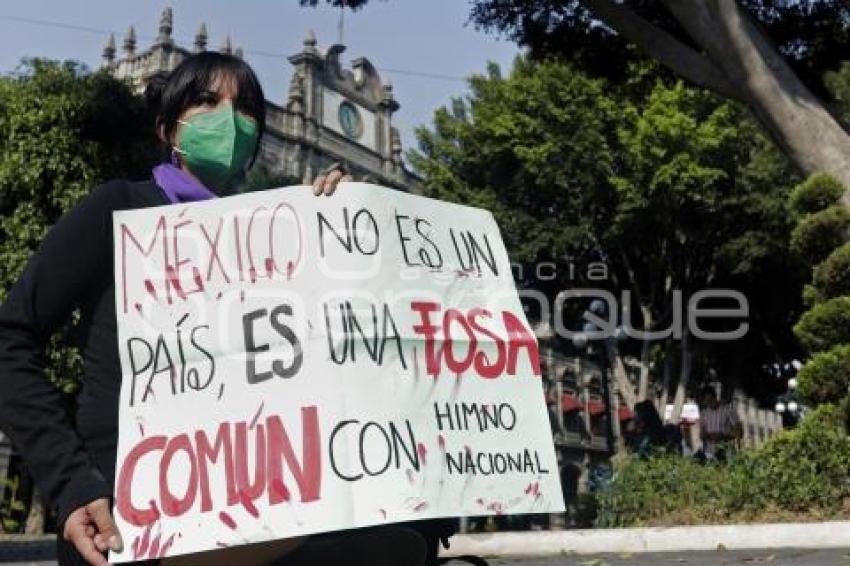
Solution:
(217, 145)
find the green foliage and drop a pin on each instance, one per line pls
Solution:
(816, 193)
(698, 187)
(534, 148)
(814, 238)
(803, 470)
(649, 490)
(825, 378)
(831, 277)
(827, 324)
(838, 84)
(63, 130)
(668, 185)
(812, 35)
(819, 237)
(573, 165)
(12, 509)
(811, 295)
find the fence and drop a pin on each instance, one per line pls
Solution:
(758, 424)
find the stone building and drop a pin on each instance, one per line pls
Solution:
(331, 113)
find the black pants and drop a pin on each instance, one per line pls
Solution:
(392, 545)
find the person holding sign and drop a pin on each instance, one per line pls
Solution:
(210, 118)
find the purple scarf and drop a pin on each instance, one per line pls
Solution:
(178, 185)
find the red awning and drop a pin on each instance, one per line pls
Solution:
(624, 413)
(596, 407)
(570, 403)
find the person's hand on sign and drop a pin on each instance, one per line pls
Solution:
(328, 179)
(92, 530)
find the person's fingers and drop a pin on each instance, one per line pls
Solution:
(346, 179)
(76, 520)
(332, 181)
(99, 512)
(318, 185)
(87, 549)
(76, 532)
(90, 532)
(100, 542)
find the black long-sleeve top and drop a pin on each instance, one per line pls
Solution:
(73, 268)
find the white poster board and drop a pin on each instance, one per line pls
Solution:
(294, 364)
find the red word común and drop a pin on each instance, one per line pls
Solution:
(229, 448)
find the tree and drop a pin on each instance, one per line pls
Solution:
(653, 178)
(767, 54)
(63, 130)
(823, 328)
(700, 206)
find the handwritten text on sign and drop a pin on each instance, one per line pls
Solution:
(294, 365)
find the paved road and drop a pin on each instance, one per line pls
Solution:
(793, 557)
(839, 557)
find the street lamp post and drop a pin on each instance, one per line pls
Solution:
(582, 341)
(788, 405)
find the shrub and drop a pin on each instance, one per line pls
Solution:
(814, 238)
(800, 471)
(827, 324)
(805, 468)
(811, 296)
(826, 377)
(816, 193)
(648, 490)
(832, 276)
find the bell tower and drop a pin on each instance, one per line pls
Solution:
(344, 114)
(331, 114)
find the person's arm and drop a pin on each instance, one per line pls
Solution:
(70, 263)
(705, 435)
(735, 427)
(703, 430)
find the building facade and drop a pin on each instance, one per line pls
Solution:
(331, 114)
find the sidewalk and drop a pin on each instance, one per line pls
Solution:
(767, 557)
(533, 547)
(832, 534)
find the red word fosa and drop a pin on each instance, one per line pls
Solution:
(461, 331)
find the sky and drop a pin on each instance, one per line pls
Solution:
(404, 39)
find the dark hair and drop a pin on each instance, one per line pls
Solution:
(652, 423)
(169, 95)
(707, 390)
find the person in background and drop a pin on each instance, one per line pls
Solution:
(720, 427)
(645, 433)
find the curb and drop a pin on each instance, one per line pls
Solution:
(831, 534)
(27, 548)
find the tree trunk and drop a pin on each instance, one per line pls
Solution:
(668, 377)
(795, 118)
(684, 377)
(35, 518)
(738, 61)
(643, 382)
(621, 379)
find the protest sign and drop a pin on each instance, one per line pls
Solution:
(294, 364)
